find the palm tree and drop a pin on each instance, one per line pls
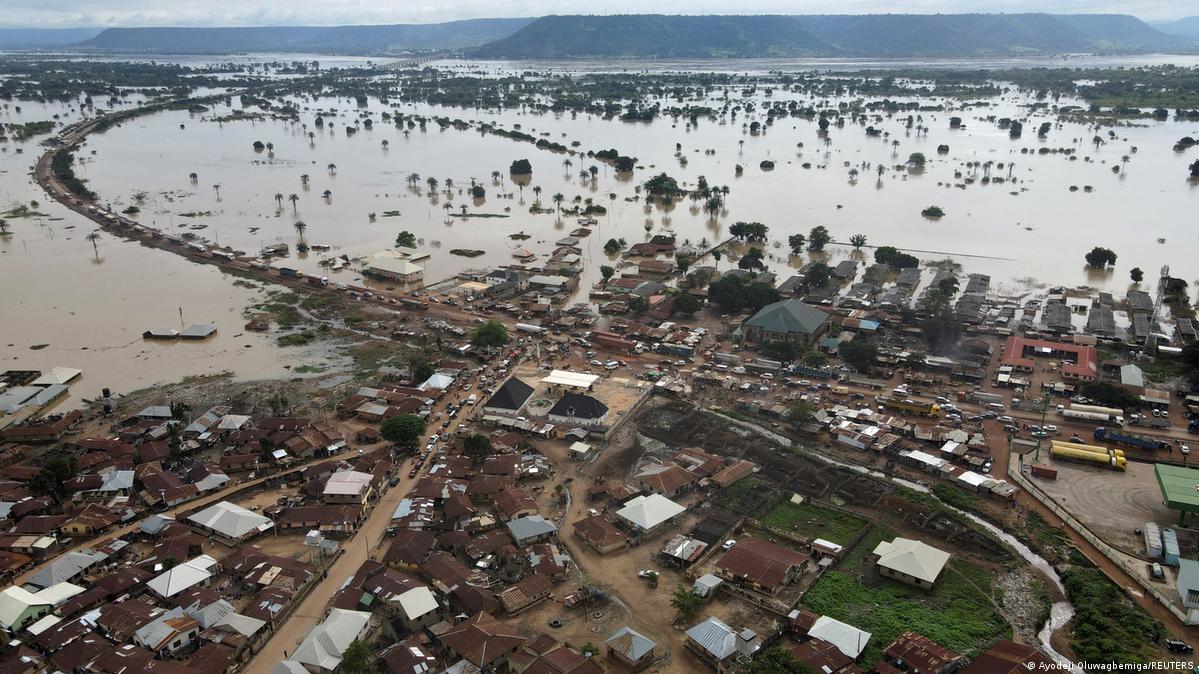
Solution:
(94, 237)
(327, 195)
(413, 179)
(495, 177)
(293, 198)
(301, 227)
(279, 199)
(558, 199)
(566, 164)
(193, 176)
(537, 192)
(3, 227)
(270, 149)
(715, 203)
(332, 168)
(463, 209)
(218, 191)
(432, 183)
(1124, 163)
(304, 179)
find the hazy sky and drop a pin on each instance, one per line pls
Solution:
(69, 13)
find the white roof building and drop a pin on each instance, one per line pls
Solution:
(417, 602)
(648, 512)
(325, 643)
(912, 558)
(231, 521)
(16, 603)
(848, 639)
(183, 576)
(348, 483)
(568, 379)
(56, 375)
(437, 381)
(387, 265)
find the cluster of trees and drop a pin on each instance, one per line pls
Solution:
(404, 431)
(754, 258)
(1195, 169)
(889, 255)
(521, 167)
(749, 231)
(860, 353)
(614, 246)
(62, 165)
(406, 239)
(489, 334)
(818, 237)
(933, 212)
(1110, 395)
(685, 304)
(940, 327)
(735, 293)
(662, 185)
(1100, 257)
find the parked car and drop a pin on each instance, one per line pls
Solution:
(728, 544)
(1179, 646)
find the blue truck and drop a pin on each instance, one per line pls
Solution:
(1120, 437)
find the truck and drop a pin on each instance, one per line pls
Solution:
(530, 328)
(1103, 433)
(1083, 456)
(1110, 411)
(288, 272)
(1041, 470)
(986, 398)
(674, 349)
(727, 358)
(413, 303)
(813, 372)
(1088, 448)
(764, 365)
(923, 409)
(613, 341)
(1091, 416)
(1150, 421)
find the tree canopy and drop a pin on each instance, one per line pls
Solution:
(685, 304)
(860, 353)
(52, 476)
(404, 430)
(889, 255)
(477, 446)
(521, 167)
(749, 231)
(489, 333)
(818, 238)
(406, 239)
(1100, 257)
(735, 293)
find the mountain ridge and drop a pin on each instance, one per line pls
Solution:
(831, 35)
(350, 40)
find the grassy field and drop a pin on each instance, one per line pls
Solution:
(743, 496)
(813, 521)
(958, 613)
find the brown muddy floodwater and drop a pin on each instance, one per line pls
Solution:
(90, 305)
(1028, 230)
(1030, 225)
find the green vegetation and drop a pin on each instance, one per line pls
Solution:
(62, 167)
(1108, 626)
(933, 212)
(53, 474)
(1044, 539)
(1100, 257)
(662, 186)
(521, 167)
(489, 334)
(477, 446)
(686, 602)
(1110, 395)
(959, 612)
(891, 256)
(405, 239)
(940, 327)
(404, 430)
(685, 304)
(861, 353)
(743, 496)
(775, 660)
(954, 495)
(735, 293)
(811, 521)
(818, 238)
(300, 338)
(748, 231)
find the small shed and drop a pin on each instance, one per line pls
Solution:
(705, 586)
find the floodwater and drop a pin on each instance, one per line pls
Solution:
(1027, 231)
(89, 305)
(1029, 226)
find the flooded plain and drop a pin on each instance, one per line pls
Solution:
(71, 303)
(1022, 216)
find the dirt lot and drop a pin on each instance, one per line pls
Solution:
(1112, 504)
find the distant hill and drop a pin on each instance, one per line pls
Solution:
(44, 38)
(1186, 27)
(361, 40)
(869, 35)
